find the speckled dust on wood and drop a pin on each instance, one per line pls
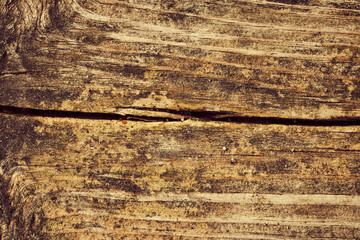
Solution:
(86, 179)
(67, 178)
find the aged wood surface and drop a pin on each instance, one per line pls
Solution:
(94, 179)
(280, 58)
(192, 63)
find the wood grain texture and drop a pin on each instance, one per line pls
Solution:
(71, 178)
(95, 179)
(281, 58)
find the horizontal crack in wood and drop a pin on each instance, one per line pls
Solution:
(220, 116)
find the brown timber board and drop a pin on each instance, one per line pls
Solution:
(68, 178)
(289, 59)
(229, 87)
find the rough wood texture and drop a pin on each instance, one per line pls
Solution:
(88, 179)
(281, 58)
(278, 60)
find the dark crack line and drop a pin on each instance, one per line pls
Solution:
(16, 73)
(295, 121)
(217, 116)
(78, 115)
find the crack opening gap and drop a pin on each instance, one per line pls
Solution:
(78, 115)
(219, 116)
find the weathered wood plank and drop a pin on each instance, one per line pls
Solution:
(291, 59)
(80, 179)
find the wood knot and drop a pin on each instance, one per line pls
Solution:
(21, 19)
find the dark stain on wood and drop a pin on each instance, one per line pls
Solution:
(295, 2)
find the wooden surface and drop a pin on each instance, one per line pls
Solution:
(86, 179)
(177, 119)
(293, 59)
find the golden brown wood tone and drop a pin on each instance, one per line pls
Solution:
(192, 63)
(89, 179)
(283, 58)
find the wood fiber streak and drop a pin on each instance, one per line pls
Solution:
(95, 179)
(281, 58)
